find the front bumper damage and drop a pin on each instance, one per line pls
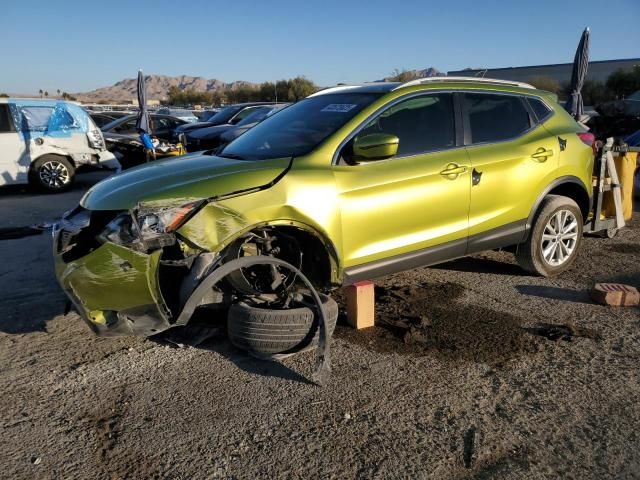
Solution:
(118, 289)
(114, 289)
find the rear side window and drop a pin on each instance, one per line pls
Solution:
(494, 118)
(36, 118)
(422, 124)
(539, 109)
(5, 119)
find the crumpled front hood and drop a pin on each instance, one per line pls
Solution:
(191, 176)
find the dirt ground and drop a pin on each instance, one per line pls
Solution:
(475, 370)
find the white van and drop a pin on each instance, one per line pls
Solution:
(44, 142)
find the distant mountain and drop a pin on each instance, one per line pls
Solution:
(157, 88)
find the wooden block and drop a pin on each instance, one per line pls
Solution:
(361, 304)
(615, 294)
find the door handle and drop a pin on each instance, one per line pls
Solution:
(453, 169)
(542, 154)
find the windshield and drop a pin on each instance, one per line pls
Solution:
(225, 114)
(207, 116)
(300, 128)
(114, 123)
(255, 116)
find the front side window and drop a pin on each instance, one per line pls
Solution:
(422, 124)
(494, 118)
(300, 128)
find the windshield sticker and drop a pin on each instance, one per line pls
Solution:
(339, 107)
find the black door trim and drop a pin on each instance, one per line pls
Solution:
(504, 236)
(406, 261)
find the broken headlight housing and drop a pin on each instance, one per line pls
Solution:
(148, 228)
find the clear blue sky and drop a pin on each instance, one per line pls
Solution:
(81, 45)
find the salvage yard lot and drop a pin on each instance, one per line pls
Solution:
(474, 369)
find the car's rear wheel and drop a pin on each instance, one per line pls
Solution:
(52, 173)
(264, 331)
(555, 238)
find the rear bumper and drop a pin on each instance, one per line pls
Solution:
(114, 289)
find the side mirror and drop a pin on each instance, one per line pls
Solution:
(375, 146)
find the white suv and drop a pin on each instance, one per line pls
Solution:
(44, 142)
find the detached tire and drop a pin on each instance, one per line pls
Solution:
(52, 173)
(265, 331)
(555, 238)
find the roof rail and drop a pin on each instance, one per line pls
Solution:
(420, 81)
(334, 89)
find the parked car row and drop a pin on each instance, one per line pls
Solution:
(171, 126)
(102, 118)
(209, 135)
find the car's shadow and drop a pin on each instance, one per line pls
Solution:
(555, 293)
(482, 265)
(213, 338)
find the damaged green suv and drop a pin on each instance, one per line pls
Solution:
(351, 183)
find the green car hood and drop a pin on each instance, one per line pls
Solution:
(191, 176)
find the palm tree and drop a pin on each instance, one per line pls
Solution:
(58, 92)
(40, 92)
(46, 94)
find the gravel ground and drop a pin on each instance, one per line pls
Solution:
(474, 370)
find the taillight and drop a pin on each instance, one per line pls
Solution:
(587, 138)
(95, 139)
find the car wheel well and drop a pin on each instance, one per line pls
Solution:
(66, 157)
(318, 260)
(575, 192)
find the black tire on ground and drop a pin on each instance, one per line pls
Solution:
(267, 332)
(531, 254)
(52, 173)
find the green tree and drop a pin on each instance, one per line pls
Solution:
(58, 92)
(46, 94)
(4, 95)
(622, 83)
(40, 92)
(268, 92)
(283, 90)
(595, 93)
(300, 87)
(545, 83)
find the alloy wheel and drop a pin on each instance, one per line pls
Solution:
(54, 174)
(559, 238)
